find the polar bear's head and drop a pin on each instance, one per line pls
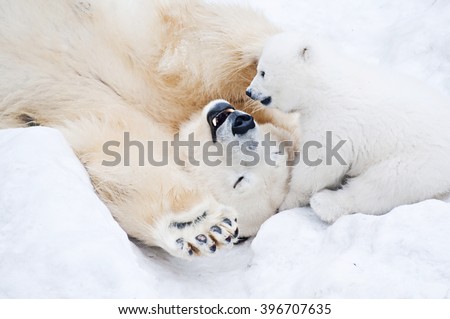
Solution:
(283, 73)
(233, 164)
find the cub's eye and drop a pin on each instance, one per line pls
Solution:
(262, 73)
(221, 117)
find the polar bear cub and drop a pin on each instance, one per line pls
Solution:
(392, 133)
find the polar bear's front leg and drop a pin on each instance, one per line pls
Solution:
(384, 186)
(200, 231)
(295, 198)
(317, 169)
(308, 180)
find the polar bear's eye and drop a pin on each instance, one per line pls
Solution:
(262, 73)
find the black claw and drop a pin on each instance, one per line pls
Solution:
(227, 221)
(236, 233)
(216, 229)
(228, 240)
(242, 240)
(201, 239)
(191, 252)
(180, 242)
(235, 220)
(213, 248)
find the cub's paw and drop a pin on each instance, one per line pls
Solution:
(326, 206)
(203, 234)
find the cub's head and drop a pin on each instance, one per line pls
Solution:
(238, 161)
(283, 73)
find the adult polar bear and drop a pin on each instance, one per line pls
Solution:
(396, 130)
(96, 69)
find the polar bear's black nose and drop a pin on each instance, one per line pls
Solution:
(249, 93)
(242, 124)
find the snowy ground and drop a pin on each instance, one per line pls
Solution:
(57, 239)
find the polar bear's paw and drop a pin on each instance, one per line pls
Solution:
(327, 206)
(220, 235)
(204, 234)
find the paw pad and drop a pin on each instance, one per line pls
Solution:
(228, 222)
(216, 229)
(204, 235)
(201, 239)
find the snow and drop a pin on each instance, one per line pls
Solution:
(58, 240)
(401, 255)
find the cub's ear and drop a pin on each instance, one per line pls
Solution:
(305, 53)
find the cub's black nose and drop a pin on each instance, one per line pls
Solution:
(249, 93)
(242, 124)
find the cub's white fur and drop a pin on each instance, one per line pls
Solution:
(397, 130)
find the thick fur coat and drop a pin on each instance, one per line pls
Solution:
(96, 69)
(394, 129)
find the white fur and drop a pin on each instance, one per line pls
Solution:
(95, 69)
(265, 182)
(397, 130)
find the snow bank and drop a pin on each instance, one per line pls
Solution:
(57, 239)
(403, 254)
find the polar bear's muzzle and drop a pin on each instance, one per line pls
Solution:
(223, 112)
(256, 96)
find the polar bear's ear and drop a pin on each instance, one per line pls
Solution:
(305, 53)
